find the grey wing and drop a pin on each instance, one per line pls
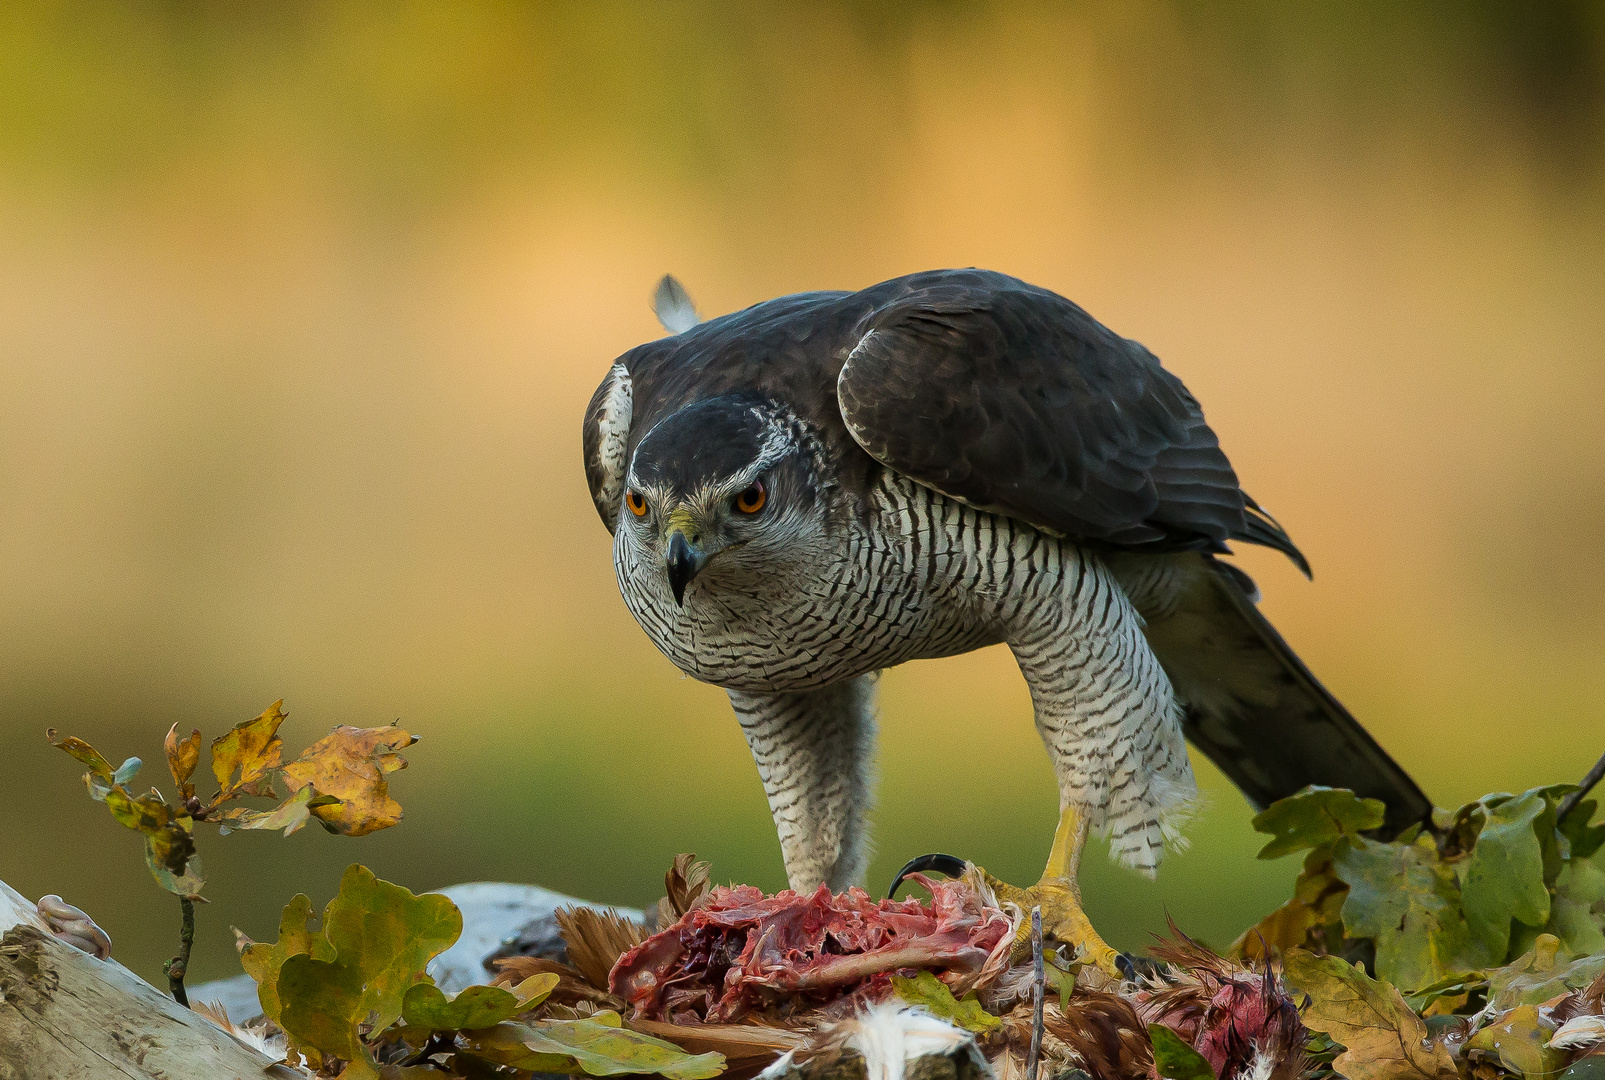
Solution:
(1014, 400)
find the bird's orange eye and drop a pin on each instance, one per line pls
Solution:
(636, 502)
(751, 501)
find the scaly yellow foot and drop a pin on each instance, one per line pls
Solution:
(1059, 896)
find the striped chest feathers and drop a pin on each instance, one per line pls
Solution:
(920, 577)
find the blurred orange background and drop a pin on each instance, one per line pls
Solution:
(300, 305)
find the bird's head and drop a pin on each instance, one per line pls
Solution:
(728, 484)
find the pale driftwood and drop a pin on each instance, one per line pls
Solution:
(64, 1015)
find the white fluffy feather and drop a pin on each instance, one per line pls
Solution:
(1579, 1032)
(673, 306)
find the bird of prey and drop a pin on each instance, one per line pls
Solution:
(824, 485)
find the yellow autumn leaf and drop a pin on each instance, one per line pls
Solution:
(1382, 1038)
(244, 758)
(350, 764)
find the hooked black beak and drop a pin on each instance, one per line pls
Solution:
(684, 563)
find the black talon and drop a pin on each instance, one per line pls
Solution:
(1128, 969)
(943, 864)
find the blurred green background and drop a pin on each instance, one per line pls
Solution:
(300, 305)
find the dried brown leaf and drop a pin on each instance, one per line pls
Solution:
(182, 757)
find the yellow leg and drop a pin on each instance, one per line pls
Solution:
(1059, 896)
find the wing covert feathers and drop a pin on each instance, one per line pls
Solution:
(1014, 400)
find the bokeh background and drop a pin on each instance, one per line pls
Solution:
(300, 305)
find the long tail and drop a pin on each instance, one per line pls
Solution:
(1254, 709)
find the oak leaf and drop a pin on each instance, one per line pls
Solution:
(596, 1046)
(932, 994)
(243, 758)
(1382, 1038)
(1519, 1038)
(296, 938)
(350, 764)
(322, 1006)
(1407, 899)
(1315, 816)
(387, 935)
(426, 1006)
(1174, 1059)
(1504, 877)
(169, 846)
(291, 815)
(182, 757)
(1545, 971)
(85, 753)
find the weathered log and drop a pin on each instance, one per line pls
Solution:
(65, 1015)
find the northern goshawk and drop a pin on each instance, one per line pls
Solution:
(824, 485)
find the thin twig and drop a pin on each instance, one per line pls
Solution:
(1038, 991)
(1569, 803)
(178, 966)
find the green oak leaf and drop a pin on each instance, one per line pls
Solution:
(1064, 982)
(1174, 1059)
(1407, 899)
(597, 1046)
(1316, 816)
(1504, 877)
(387, 935)
(1520, 1038)
(322, 1006)
(426, 1006)
(1583, 838)
(1544, 972)
(1576, 911)
(931, 994)
(262, 961)
(1589, 1068)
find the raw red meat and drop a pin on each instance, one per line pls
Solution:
(741, 952)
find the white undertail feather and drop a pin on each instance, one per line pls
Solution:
(673, 307)
(1579, 1032)
(888, 1036)
(1261, 1068)
(891, 1034)
(252, 1034)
